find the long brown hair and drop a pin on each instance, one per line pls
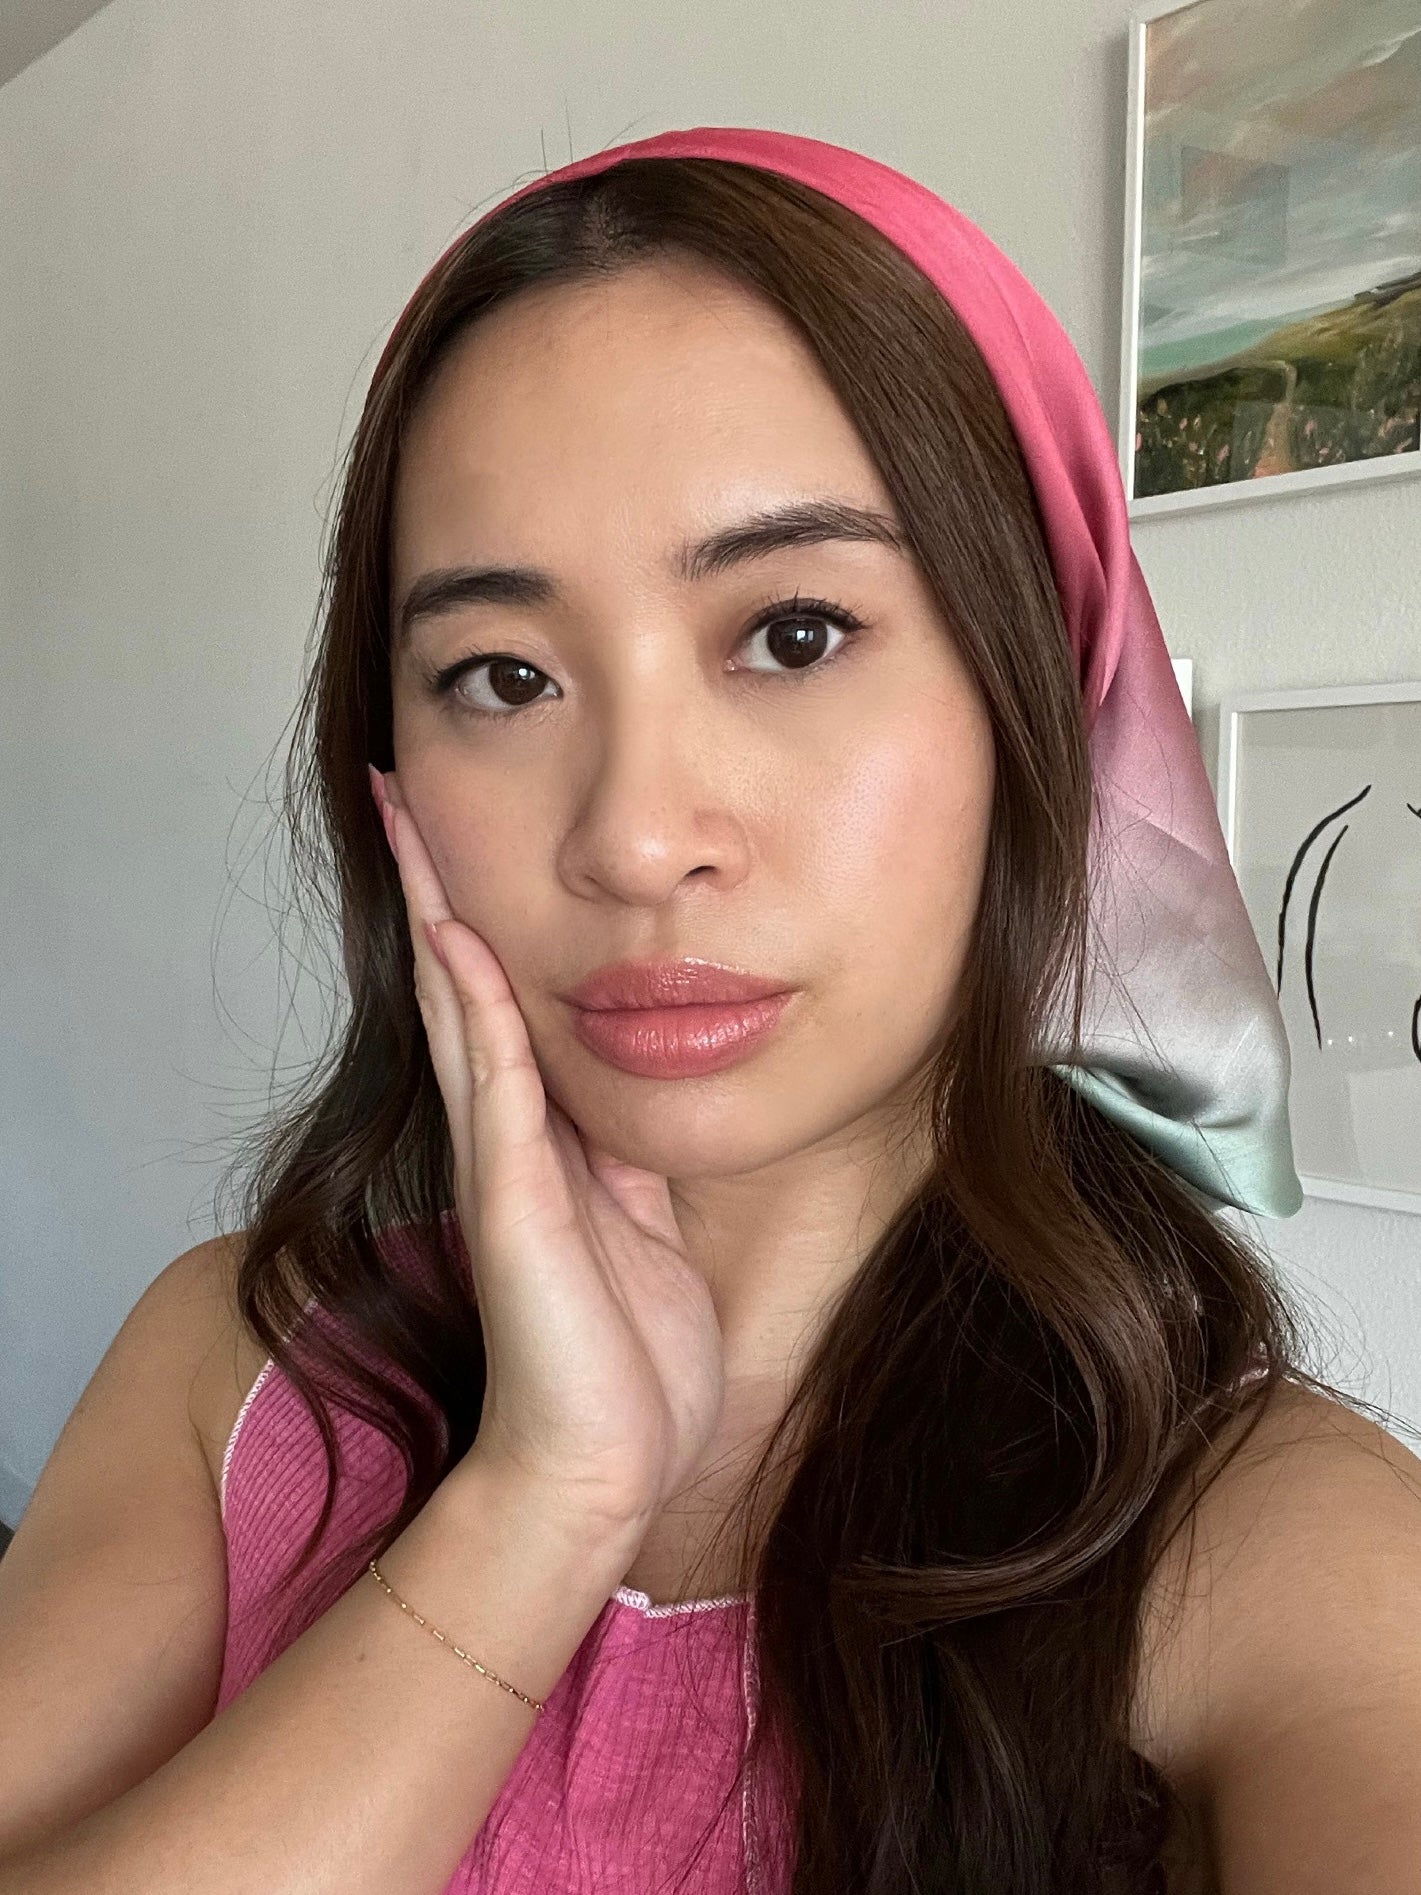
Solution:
(1032, 1361)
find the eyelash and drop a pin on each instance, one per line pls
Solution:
(441, 683)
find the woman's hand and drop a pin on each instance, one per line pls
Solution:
(605, 1372)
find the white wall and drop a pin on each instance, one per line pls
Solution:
(209, 216)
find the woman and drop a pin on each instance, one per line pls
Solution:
(815, 1404)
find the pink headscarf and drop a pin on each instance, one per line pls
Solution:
(1183, 1040)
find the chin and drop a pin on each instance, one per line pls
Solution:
(681, 1129)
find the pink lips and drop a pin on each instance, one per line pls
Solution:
(674, 1019)
(623, 984)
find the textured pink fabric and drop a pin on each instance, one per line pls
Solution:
(641, 1737)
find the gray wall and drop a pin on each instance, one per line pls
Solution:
(28, 28)
(209, 217)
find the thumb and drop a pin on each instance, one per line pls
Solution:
(645, 1196)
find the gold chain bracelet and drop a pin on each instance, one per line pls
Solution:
(483, 1670)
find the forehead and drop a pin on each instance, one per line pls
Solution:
(617, 413)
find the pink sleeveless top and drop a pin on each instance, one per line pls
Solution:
(626, 1769)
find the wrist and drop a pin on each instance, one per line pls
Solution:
(508, 1571)
(594, 1544)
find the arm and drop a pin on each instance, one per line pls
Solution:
(364, 1758)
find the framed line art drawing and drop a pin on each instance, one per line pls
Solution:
(1320, 804)
(1271, 337)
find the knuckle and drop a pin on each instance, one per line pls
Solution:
(421, 987)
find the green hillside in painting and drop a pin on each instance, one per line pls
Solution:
(1341, 386)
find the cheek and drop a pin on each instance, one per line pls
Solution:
(904, 855)
(481, 840)
(904, 850)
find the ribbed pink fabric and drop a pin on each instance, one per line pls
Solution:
(640, 1740)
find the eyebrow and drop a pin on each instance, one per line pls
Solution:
(801, 523)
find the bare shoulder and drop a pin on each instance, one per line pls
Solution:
(1292, 1581)
(113, 1590)
(227, 1358)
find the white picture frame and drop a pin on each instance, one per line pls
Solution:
(1248, 175)
(1298, 771)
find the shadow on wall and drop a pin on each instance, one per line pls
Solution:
(5, 1538)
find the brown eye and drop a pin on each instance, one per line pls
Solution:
(514, 682)
(508, 684)
(798, 635)
(796, 641)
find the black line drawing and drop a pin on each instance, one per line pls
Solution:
(1314, 902)
(1297, 862)
(1320, 792)
(1312, 929)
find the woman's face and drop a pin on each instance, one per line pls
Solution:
(655, 768)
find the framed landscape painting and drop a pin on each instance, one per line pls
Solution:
(1320, 805)
(1272, 309)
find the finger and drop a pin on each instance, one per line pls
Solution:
(601, 1179)
(641, 1195)
(644, 1196)
(491, 1083)
(439, 1001)
(510, 1107)
(568, 1140)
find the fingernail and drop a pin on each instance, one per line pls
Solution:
(431, 934)
(388, 814)
(377, 785)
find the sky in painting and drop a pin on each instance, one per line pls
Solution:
(1282, 167)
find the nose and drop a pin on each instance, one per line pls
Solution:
(664, 801)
